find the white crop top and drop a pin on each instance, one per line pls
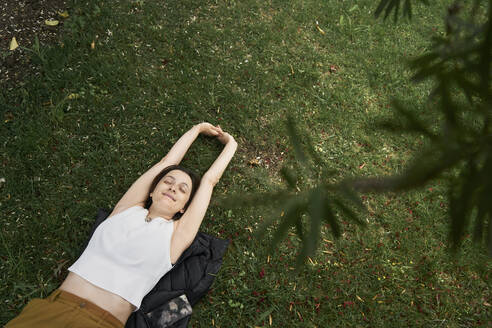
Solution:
(127, 255)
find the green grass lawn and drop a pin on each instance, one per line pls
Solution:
(76, 137)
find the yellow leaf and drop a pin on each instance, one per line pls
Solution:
(73, 96)
(270, 319)
(93, 45)
(360, 299)
(320, 30)
(13, 44)
(63, 14)
(254, 162)
(51, 22)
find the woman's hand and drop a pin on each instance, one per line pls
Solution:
(214, 131)
(208, 129)
(224, 137)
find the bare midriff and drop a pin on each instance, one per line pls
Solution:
(114, 304)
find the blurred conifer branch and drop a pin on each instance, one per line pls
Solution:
(390, 5)
(460, 149)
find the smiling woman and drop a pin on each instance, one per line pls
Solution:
(180, 184)
(116, 270)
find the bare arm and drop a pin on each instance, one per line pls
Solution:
(191, 220)
(179, 149)
(138, 192)
(219, 165)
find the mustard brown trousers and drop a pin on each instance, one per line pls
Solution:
(63, 310)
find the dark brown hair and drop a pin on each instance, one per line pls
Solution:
(195, 183)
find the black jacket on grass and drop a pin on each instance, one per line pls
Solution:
(169, 303)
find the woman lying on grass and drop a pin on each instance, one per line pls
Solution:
(158, 217)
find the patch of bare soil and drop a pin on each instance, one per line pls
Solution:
(25, 20)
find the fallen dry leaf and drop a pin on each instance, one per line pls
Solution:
(63, 14)
(73, 96)
(13, 44)
(254, 162)
(319, 28)
(51, 22)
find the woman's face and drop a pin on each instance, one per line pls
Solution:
(173, 191)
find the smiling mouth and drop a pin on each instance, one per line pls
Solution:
(169, 196)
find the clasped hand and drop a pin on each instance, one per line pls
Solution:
(214, 131)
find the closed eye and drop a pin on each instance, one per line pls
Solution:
(170, 180)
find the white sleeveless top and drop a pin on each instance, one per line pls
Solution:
(127, 255)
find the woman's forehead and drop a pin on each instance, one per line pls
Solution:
(179, 175)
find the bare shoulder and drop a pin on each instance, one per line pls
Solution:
(179, 243)
(175, 225)
(120, 208)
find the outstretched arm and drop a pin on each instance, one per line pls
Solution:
(179, 149)
(138, 192)
(218, 167)
(191, 220)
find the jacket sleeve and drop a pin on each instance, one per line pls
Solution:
(209, 266)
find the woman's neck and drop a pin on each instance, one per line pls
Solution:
(153, 213)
